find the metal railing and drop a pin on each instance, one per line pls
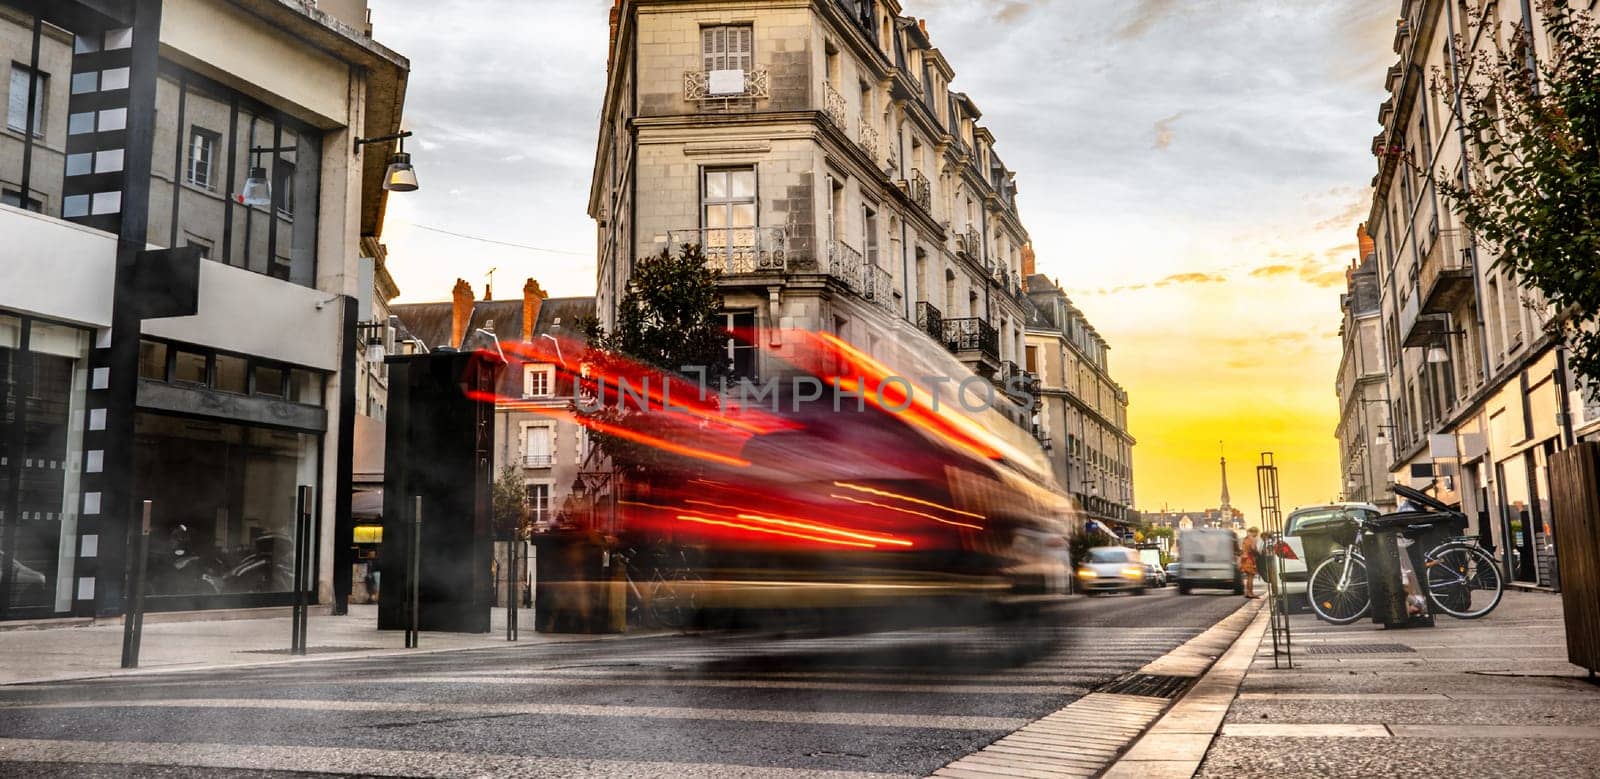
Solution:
(970, 242)
(878, 287)
(738, 250)
(930, 320)
(538, 460)
(970, 334)
(697, 86)
(867, 136)
(921, 190)
(845, 264)
(833, 106)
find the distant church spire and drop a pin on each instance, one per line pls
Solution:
(1227, 508)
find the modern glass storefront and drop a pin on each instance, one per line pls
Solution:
(43, 384)
(223, 508)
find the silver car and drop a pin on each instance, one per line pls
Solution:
(1111, 569)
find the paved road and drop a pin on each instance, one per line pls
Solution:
(904, 702)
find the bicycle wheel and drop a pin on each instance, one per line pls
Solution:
(1463, 580)
(1336, 601)
(672, 599)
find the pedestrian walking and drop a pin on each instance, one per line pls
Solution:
(1249, 555)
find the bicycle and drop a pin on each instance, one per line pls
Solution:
(1461, 578)
(667, 597)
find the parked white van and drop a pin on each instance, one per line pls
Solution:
(1208, 557)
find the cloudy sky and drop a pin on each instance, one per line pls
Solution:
(1192, 171)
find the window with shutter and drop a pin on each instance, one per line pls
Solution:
(537, 447)
(727, 47)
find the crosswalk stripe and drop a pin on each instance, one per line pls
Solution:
(860, 719)
(380, 762)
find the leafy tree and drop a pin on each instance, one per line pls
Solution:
(668, 320)
(1531, 189)
(509, 503)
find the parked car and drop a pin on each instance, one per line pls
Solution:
(1308, 537)
(1111, 569)
(1172, 571)
(1210, 559)
(1154, 576)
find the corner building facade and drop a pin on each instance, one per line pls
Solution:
(133, 125)
(815, 150)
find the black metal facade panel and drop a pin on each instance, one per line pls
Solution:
(438, 447)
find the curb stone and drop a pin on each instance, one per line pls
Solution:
(1056, 744)
(1176, 745)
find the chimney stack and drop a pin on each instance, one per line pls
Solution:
(1028, 268)
(461, 312)
(532, 300)
(1364, 242)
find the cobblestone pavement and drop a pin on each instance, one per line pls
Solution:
(1493, 697)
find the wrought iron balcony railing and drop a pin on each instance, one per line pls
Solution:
(867, 136)
(971, 334)
(725, 89)
(538, 461)
(845, 264)
(971, 243)
(930, 320)
(834, 107)
(921, 190)
(878, 287)
(738, 250)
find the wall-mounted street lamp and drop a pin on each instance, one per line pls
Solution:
(1381, 439)
(400, 177)
(1437, 354)
(374, 336)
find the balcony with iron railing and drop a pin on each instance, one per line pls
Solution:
(930, 320)
(723, 90)
(867, 137)
(970, 242)
(972, 335)
(921, 191)
(833, 106)
(845, 264)
(538, 460)
(1445, 279)
(738, 251)
(878, 287)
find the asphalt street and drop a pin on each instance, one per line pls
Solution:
(902, 703)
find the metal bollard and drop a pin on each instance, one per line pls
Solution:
(511, 588)
(133, 612)
(302, 569)
(413, 574)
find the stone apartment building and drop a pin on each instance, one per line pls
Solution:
(535, 432)
(1478, 391)
(818, 153)
(1364, 427)
(139, 124)
(1084, 413)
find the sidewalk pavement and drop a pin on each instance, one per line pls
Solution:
(1490, 697)
(87, 651)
